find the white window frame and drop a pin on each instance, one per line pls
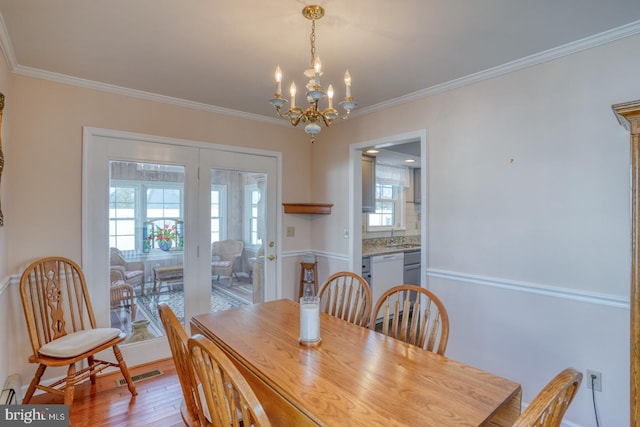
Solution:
(398, 210)
(140, 205)
(222, 190)
(249, 219)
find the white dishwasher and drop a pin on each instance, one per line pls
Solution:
(387, 271)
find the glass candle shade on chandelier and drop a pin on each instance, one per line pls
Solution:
(312, 115)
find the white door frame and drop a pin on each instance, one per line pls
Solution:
(95, 251)
(355, 207)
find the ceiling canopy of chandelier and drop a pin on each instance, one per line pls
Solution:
(312, 115)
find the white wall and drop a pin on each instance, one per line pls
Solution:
(528, 213)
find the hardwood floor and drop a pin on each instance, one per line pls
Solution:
(106, 405)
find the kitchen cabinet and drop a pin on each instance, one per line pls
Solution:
(412, 268)
(368, 184)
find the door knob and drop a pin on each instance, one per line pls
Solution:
(271, 257)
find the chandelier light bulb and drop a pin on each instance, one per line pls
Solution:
(317, 68)
(347, 84)
(278, 81)
(330, 95)
(292, 91)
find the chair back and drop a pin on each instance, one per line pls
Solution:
(55, 300)
(414, 315)
(230, 399)
(116, 258)
(227, 250)
(178, 338)
(347, 295)
(547, 409)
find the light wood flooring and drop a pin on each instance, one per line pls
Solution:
(105, 405)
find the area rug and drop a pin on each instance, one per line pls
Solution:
(220, 300)
(242, 286)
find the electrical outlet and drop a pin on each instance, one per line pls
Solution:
(594, 378)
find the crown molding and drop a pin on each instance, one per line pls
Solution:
(134, 93)
(618, 33)
(628, 30)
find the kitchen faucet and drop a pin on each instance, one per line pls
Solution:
(391, 241)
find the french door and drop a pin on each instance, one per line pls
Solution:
(179, 222)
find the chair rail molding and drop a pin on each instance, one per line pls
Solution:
(533, 288)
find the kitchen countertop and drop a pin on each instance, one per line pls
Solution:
(392, 249)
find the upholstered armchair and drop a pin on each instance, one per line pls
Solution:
(224, 255)
(128, 272)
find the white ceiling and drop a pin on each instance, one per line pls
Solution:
(221, 54)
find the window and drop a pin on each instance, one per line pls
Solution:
(252, 197)
(391, 182)
(218, 209)
(144, 197)
(122, 215)
(164, 202)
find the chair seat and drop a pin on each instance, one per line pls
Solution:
(76, 343)
(226, 264)
(133, 274)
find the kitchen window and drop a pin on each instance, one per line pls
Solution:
(391, 182)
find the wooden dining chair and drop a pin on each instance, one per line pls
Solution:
(412, 314)
(191, 408)
(230, 399)
(347, 295)
(547, 409)
(62, 327)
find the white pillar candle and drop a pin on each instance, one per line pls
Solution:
(309, 319)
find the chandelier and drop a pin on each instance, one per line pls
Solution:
(312, 115)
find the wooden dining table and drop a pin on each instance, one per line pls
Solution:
(354, 376)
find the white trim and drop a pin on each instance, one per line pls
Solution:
(534, 288)
(6, 281)
(134, 93)
(627, 30)
(89, 131)
(327, 255)
(6, 45)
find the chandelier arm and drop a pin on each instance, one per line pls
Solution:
(296, 119)
(345, 115)
(327, 121)
(285, 115)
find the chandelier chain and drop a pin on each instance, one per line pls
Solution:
(313, 42)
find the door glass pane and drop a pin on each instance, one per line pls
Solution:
(237, 236)
(146, 238)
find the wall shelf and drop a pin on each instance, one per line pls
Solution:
(307, 208)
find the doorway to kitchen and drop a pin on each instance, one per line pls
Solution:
(389, 208)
